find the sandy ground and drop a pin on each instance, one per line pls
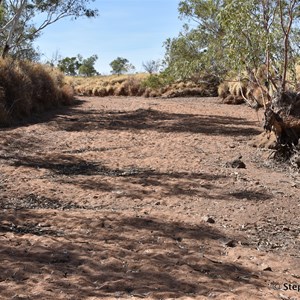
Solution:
(130, 198)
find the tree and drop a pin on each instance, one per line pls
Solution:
(151, 66)
(264, 32)
(78, 65)
(69, 65)
(288, 11)
(199, 47)
(187, 55)
(120, 65)
(55, 59)
(255, 36)
(239, 36)
(87, 66)
(16, 26)
(252, 36)
(130, 68)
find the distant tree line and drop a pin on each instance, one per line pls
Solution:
(77, 65)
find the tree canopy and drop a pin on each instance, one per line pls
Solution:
(121, 65)
(87, 66)
(17, 28)
(77, 65)
(69, 65)
(235, 35)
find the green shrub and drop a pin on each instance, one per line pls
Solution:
(157, 81)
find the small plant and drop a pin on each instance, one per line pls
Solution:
(157, 81)
(153, 82)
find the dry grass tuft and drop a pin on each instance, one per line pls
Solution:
(101, 86)
(27, 88)
(140, 85)
(256, 94)
(223, 90)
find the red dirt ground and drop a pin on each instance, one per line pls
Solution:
(129, 198)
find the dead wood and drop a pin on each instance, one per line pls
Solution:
(282, 117)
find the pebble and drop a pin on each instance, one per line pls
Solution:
(209, 219)
(236, 163)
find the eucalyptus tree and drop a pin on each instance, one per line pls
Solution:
(121, 65)
(17, 26)
(199, 46)
(87, 67)
(69, 65)
(236, 35)
(289, 12)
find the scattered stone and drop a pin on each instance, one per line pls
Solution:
(178, 239)
(236, 163)
(209, 219)
(267, 268)
(228, 242)
(231, 244)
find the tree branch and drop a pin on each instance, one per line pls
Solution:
(286, 32)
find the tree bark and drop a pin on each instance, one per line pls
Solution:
(12, 30)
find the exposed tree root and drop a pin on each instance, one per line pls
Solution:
(282, 117)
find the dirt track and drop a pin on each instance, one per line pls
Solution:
(110, 199)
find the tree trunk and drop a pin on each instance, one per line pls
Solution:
(13, 28)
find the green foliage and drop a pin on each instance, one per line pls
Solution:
(251, 34)
(156, 81)
(234, 35)
(2, 14)
(120, 65)
(73, 8)
(200, 49)
(78, 65)
(153, 81)
(185, 55)
(69, 65)
(87, 66)
(18, 30)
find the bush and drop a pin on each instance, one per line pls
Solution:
(154, 85)
(153, 82)
(27, 87)
(157, 81)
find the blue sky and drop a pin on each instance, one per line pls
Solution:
(133, 29)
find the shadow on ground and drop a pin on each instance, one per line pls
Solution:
(76, 255)
(43, 117)
(150, 119)
(54, 248)
(132, 182)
